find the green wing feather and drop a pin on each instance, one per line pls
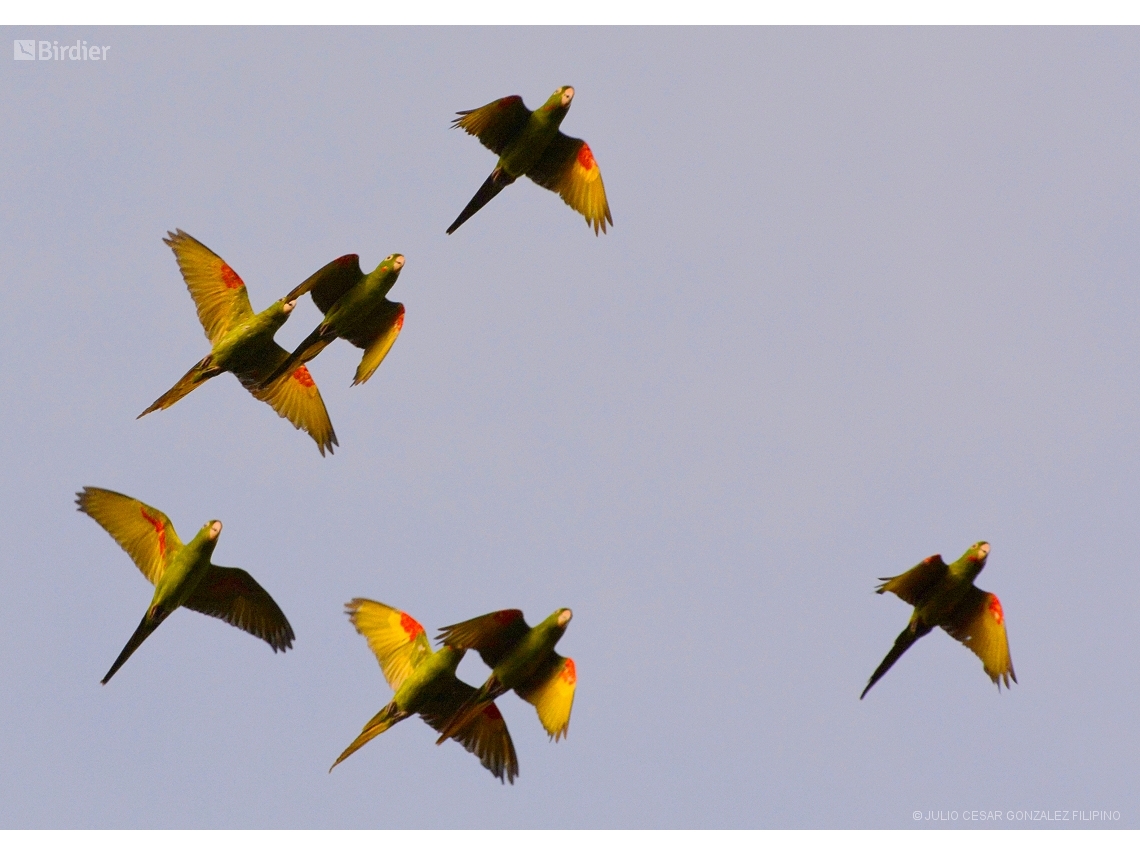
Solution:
(233, 595)
(292, 396)
(486, 735)
(568, 168)
(979, 623)
(331, 282)
(218, 292)
(494, 635)
(377, 338)
(495, 124)
(145, 533)
(917, 582)
(551, 691)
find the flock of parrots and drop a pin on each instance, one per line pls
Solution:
(356, 308)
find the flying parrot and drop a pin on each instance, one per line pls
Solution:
(521, 658)
(242, 342)
(425, 683)
(356, 308)
(946, 597)
(182, 574)
(530, 144)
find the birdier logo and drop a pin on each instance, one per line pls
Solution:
(31, 49)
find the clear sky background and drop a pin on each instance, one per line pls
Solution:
(870, 294)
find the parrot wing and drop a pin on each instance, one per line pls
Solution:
(145, 533)
(494, 635)
(377, 338)
(979, 623)
(914, 585)
(233, 595)
(551, 690)
(295, 397)
(568, 168)
(218, 292)
(486, 735)
(396, 638)
(331, 282)
(495, 124)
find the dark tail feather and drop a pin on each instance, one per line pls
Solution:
(306, 350)
(190, 381)
(495, 182)
(906, 638)
(146, 627)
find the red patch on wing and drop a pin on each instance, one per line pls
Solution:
(345, 260)
(569, 672)
(929, 560)
(492, 712)
(995, 609)
(504, 617)
(302, 376)
(508, 101)
(410, 625)
(229, 278)
(400, 320)
(159, 529)
(586, 157)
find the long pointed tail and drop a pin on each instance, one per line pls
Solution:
(380, 722)
(148, 625)
(906, 638)
(495, 182)
(317, 341)
(190, 381)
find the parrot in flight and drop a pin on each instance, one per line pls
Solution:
(530, 144)
(242, 342)
(425, 683)
(945, 596)
(182, 574)
(521, 658)
(356, 308)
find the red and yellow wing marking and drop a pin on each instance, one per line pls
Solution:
(917, 582)
(217, 290)
(979, 623)
(295, 397)
(494, 635)
(497, 123)
(395, 637)
(144, 533)
(551, 691)
(233, 595)
(568, 168)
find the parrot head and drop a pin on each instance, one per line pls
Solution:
(559, 102)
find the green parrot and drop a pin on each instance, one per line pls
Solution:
(946, 597)
(356, 308)
(521, 658)
(242, 342)
(425, 683)
(182, 574)
(530, 144)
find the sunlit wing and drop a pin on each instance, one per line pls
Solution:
(395, 638)
(293, 396)
(568, 168)
(495, 124)
(233, 595)
(331, 282)
(145, 533)
(551, 691)
(486, 735)
(917, 582)
(217, 290)
(979, 623)
(494, 635)
(377, 338)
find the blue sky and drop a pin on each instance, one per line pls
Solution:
(869, 295)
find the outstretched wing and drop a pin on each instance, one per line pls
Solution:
(377, 338)
(145, 533)
(497, 123)
(395, 637)
(494, 635)
(233, 595)
(486, 735)
(568, 168)
(551, 690)
(218, 292)
(979, 623)
(917, 582)
(331, 282)
(293, 396)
